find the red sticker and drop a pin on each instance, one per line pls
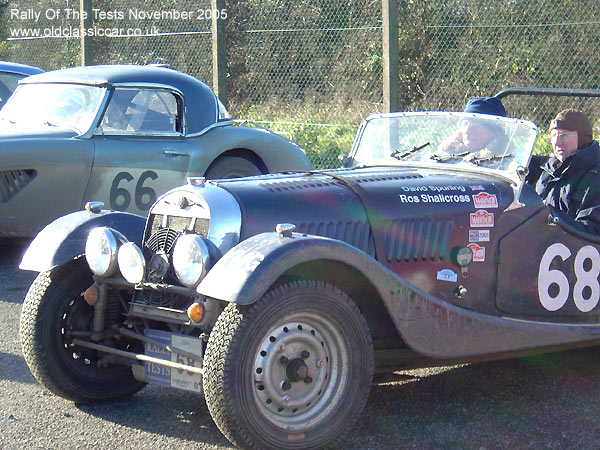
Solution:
(481, 219)
(485, 200)
(478, 252)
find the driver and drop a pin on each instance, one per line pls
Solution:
(570, 180)
(477, 135)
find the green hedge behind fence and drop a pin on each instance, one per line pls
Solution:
(316, 69)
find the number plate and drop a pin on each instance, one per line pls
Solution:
(167, 376)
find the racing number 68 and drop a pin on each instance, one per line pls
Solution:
(586, 291)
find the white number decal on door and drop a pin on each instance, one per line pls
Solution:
(586, 278)
(586, 292)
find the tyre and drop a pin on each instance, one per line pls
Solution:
(292, 371)
(53, 309)
(231, 167)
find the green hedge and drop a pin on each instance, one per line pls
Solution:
(323, 142)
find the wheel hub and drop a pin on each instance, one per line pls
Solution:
(293, 374)
(296, 370)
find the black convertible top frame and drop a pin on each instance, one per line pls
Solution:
(560, 92)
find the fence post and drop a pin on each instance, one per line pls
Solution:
(390, 55)
(85, 22)
(219, 50)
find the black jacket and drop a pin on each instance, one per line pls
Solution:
(573, 187)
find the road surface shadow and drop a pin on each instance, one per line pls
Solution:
(14, 283)
(14, 368)
(164, 411)
(547, 401)
(11, 251)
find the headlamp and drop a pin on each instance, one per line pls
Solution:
(101, 251)
(190, 259)
(131, 263)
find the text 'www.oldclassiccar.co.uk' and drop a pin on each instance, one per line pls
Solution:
(27, 23)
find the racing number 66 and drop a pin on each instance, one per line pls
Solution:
(145, 196)
(585, 299)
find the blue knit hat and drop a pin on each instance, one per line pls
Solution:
(486, 105)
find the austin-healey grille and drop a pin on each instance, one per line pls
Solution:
(13, 181)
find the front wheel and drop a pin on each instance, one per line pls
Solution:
(292, 371)
(53, 312)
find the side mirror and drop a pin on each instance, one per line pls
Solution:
(345, 160)
(522, 172)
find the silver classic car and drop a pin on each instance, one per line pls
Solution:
(121, 135)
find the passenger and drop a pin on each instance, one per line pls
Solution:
(570, 180)
(476, 135)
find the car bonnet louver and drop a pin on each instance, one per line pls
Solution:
(319, 182)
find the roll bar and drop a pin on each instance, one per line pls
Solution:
(560, 92)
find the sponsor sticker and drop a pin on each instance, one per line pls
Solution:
(478, 252)
(447, 275)
(481, 219)
(479, 235)
(485, 200)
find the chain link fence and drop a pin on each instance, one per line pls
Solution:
(315, 69)
(480, 47)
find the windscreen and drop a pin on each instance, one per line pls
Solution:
(459, 139)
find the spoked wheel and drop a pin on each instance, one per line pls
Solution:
(291, 371)
(54, 312)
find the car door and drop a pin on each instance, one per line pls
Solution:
(546, 273)
(140, 149)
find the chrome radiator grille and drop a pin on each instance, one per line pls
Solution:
(161, 234)
(177, 224)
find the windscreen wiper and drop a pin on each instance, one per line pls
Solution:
(448, 156)
(399, 154)
(479, 159)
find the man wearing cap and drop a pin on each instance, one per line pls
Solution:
(570, 180)
(486, 105)
(475, 135)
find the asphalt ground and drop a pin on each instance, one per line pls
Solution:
(550, 401)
